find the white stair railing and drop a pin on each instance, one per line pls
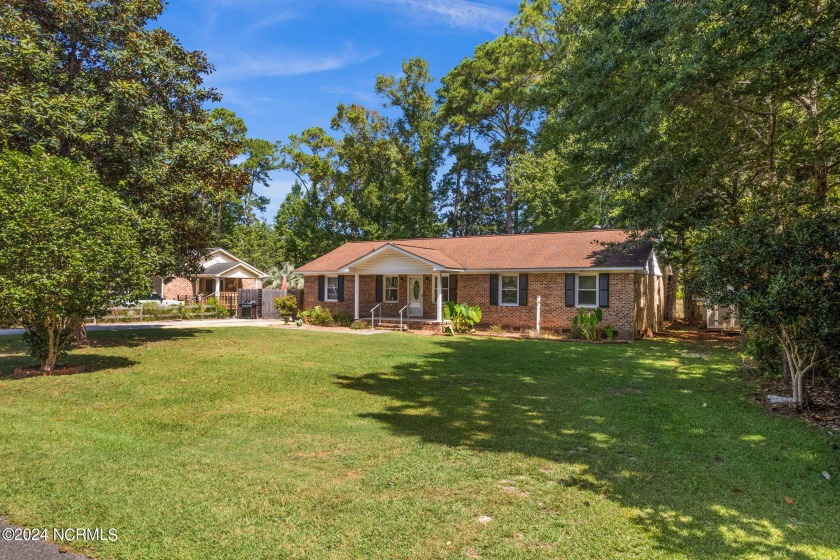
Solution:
(372, 312)
(401, 315)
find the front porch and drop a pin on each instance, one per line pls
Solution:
(415, 298)
(403, 284)
(387, 284)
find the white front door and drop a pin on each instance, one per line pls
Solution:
(415, 296)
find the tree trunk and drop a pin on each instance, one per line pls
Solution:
(670, 298)
(80, 334)
(48, 363)
(689, 308)
(508, 201)
(798, 365)
(456, 204)
(51, 356)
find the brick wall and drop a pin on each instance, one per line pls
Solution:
(251, 284)
(175, 287)
(475, 290)
(367, 297)
(183, 287)
(310, 296)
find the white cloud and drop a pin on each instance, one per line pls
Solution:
(464, 14)
(242, 65)
(269, 19)
(365, 96)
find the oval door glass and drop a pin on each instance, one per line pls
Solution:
(416, 289)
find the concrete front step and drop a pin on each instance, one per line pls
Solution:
(412, 326)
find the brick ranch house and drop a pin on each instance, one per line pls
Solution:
(223, 275)
(503, 274)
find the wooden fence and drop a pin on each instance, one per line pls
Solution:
(153, 312)
(265, 300)
(228, 300)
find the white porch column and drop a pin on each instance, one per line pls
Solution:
(356, 295)
(218, 287)
(439, 298)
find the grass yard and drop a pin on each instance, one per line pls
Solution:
(267, 443)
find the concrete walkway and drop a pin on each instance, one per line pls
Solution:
(29, 550)
(208, 323)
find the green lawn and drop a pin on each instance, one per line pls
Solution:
(269, 443)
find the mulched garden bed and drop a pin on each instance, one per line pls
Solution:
(689, 332)
(35, 371)
(824, 412)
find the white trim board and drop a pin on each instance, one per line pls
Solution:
(493, 271)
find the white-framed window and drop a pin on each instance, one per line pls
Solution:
(509, 289)
(391, 287)
(586, 291)
(332, 288)
(444, 283)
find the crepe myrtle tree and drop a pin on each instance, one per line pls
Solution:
(69, 249)
(781, 269)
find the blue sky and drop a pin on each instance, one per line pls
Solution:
(284, 66)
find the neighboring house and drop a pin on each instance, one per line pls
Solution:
(223, 274)
(503, 274)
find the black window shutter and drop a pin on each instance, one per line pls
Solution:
(523, 289)
(453, 288)
(341, 288)
(570, 290)
(320, 288)
(378, 289)
(494, 289)
(603, 290)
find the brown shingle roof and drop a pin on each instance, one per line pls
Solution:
(571, 249)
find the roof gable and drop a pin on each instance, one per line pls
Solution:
(398, 253)
(219, 261)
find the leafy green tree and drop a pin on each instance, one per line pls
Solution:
(309, 221)
(374, 179)
(548, 187)
(255, 243)
(780, 268)
(304, 227)
(418, 129)
(690, 116)
(468, 194)
(94, 81)
(491, 92)
(69, 250)
(261, 158)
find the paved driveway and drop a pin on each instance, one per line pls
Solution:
(205, 323)
(174, 325)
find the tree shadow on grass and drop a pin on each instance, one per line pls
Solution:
(658, 427)
(141, 336)
(13, 353)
